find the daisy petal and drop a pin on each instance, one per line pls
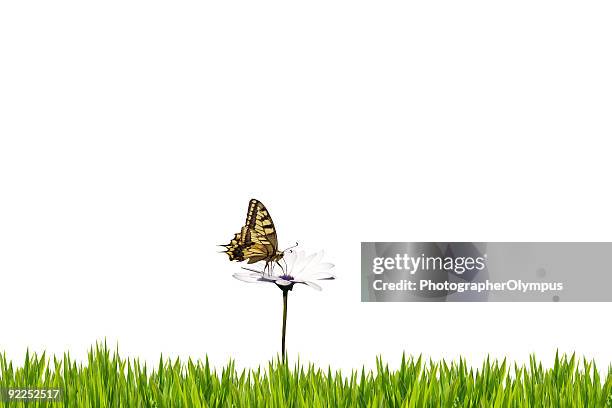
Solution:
(303, 263)
(250, 278)
(324, 266)
(313, 285)
(320, 275)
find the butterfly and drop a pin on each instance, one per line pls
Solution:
(257, 240)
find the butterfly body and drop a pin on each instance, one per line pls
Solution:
(257, 239)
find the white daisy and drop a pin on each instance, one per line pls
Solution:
(300, 269)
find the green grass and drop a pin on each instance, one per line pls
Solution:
(107, 380)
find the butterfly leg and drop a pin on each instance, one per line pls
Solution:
(268, 268)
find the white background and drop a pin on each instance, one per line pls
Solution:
(133, 135)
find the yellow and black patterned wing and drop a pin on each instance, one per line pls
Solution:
(235, 249)
(259, 226)
(257, 240)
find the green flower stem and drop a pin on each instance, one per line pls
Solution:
(285, 294)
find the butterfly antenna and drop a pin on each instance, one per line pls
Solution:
(296, 244)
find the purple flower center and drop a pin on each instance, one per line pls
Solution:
(286, 277)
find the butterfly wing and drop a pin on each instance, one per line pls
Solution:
(260, 226)
(235, 249)
(257, 240)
